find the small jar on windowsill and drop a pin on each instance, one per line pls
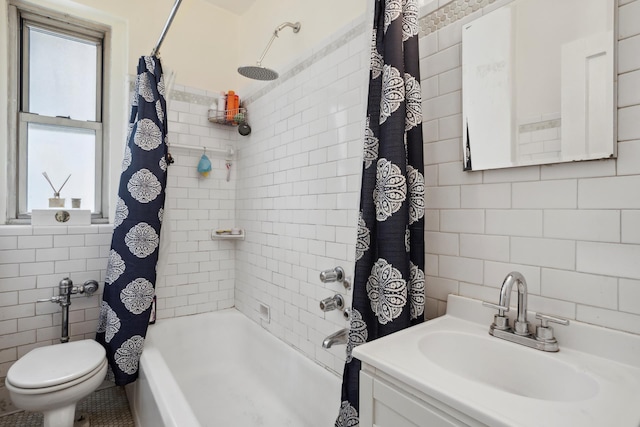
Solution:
(56, 201)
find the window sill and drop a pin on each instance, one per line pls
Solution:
(27, 221)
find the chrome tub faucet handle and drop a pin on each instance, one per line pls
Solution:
(332, 303)
(336, 274)
(332, 275)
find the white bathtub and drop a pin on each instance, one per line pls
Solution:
(221, 369)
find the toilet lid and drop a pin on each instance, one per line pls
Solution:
(56, 364)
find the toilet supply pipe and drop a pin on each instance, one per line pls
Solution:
(65, 289)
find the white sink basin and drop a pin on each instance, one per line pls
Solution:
(593, 381)
(507, 366)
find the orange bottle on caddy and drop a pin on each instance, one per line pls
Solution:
(230, 102)
(233, 106)
(236, 108)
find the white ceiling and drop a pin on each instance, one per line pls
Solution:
(236, 6)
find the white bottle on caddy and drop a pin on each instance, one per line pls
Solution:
(222, 105)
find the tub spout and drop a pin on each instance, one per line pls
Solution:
(339, 337)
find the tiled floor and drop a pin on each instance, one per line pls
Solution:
(104, 408)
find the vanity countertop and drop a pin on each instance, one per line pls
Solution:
(594, 380)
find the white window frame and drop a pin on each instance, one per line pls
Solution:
(21, 17)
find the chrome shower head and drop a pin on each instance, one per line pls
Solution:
(258, 72)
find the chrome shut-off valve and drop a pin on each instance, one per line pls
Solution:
(335, 275)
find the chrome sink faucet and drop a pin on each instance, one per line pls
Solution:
(521, 326)
(543, 338)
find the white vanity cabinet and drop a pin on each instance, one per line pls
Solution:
(386, 402)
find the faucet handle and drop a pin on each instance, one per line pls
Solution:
(332, 303)
(545, 319)
(332, 275)
(498, 307)
(500, 321)
(544, 332)
(55, 298)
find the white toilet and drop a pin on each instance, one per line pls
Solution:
(54, 378)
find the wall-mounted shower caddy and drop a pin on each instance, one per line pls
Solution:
(232, 117)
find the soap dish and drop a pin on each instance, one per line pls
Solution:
(228, 234)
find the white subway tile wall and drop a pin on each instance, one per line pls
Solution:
(571, 229)
(32, 262)
(298, 195)
(196, 273)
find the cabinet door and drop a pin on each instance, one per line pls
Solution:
(382, 405)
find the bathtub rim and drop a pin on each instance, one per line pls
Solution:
(170, 402)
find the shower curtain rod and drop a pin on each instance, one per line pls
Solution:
(229, 151)
(172, 14)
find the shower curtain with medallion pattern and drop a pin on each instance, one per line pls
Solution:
(389, 280)
(131, 268)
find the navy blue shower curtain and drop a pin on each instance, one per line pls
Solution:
(131, 269)
(389, 280)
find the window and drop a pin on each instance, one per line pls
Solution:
(58, 86)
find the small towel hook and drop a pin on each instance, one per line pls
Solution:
(228, 165)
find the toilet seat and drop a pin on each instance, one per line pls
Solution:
(51, 368)
(44, 390)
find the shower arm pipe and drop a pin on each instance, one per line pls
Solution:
(172, 14)
(296, 28)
